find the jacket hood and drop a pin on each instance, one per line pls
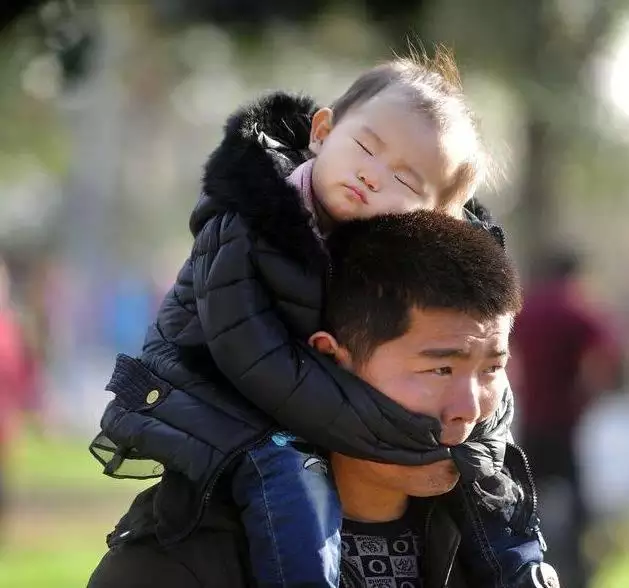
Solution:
(245, 175)
(263, 143)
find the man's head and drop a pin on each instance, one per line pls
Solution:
(421, 306)
(400, 138)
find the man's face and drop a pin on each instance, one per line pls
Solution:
(448, 365)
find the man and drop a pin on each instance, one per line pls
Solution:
(420, 306)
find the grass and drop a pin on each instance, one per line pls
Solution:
(64, 566)
(63, 506)
(615, 574)
(59, 464)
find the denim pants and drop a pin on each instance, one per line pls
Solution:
(291, 513)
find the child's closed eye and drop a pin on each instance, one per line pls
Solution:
(408, 185)
(363, 147)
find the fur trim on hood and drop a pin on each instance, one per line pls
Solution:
(263, 144)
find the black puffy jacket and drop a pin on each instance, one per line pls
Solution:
(227, 358)
(455, 551)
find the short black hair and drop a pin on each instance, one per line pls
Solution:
(382, 267)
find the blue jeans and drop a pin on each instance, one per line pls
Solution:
(291, 513)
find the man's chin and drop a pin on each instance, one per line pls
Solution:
(435, 488)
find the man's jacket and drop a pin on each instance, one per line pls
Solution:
(216, 552)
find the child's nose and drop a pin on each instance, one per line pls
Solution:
(370, 179)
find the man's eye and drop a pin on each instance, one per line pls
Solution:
(442, 371)
(493, 369)
(363, 147)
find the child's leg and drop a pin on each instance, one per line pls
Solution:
(291, 514)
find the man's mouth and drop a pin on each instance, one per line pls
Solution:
(451, 439)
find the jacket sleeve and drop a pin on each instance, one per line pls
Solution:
(299, 388)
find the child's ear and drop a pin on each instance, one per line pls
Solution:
(320, 129)
(325, 343)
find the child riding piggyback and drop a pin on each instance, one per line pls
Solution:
(227, 390)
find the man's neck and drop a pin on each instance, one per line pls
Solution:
(361, 499)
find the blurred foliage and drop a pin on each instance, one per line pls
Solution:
(543, 51)
(64, 563)
(32, 128)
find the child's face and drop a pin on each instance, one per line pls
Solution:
(381, 158)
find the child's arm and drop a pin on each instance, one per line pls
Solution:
(298, 387)
(301, 389)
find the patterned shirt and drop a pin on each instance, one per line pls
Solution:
(386, 555)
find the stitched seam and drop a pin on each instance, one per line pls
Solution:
(298, 303)
(238, 323)
(291, 393)
(179, 301)
(267, 512)
(215, 287)
(202, 251)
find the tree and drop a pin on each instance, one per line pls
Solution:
(540, 50)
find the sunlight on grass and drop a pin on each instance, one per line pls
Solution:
(64, 565)
(62, 507)
(60, 463)
(615, 574)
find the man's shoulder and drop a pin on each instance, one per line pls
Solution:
(172, 511)
(209, 555)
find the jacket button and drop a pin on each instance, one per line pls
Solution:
(152, 397)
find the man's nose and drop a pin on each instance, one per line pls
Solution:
(463, 405)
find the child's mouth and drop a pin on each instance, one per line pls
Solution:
(358, 194)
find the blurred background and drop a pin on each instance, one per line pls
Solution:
(108, 112)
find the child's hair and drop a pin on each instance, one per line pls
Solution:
(432, 86)
(383, 267)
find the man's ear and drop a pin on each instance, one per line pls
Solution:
(320, 129)
(325, 343)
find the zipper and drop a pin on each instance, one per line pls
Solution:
(478, 530)
(423, 560)
(211, 483)
(532, 525)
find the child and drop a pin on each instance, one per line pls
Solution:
(286, 173)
